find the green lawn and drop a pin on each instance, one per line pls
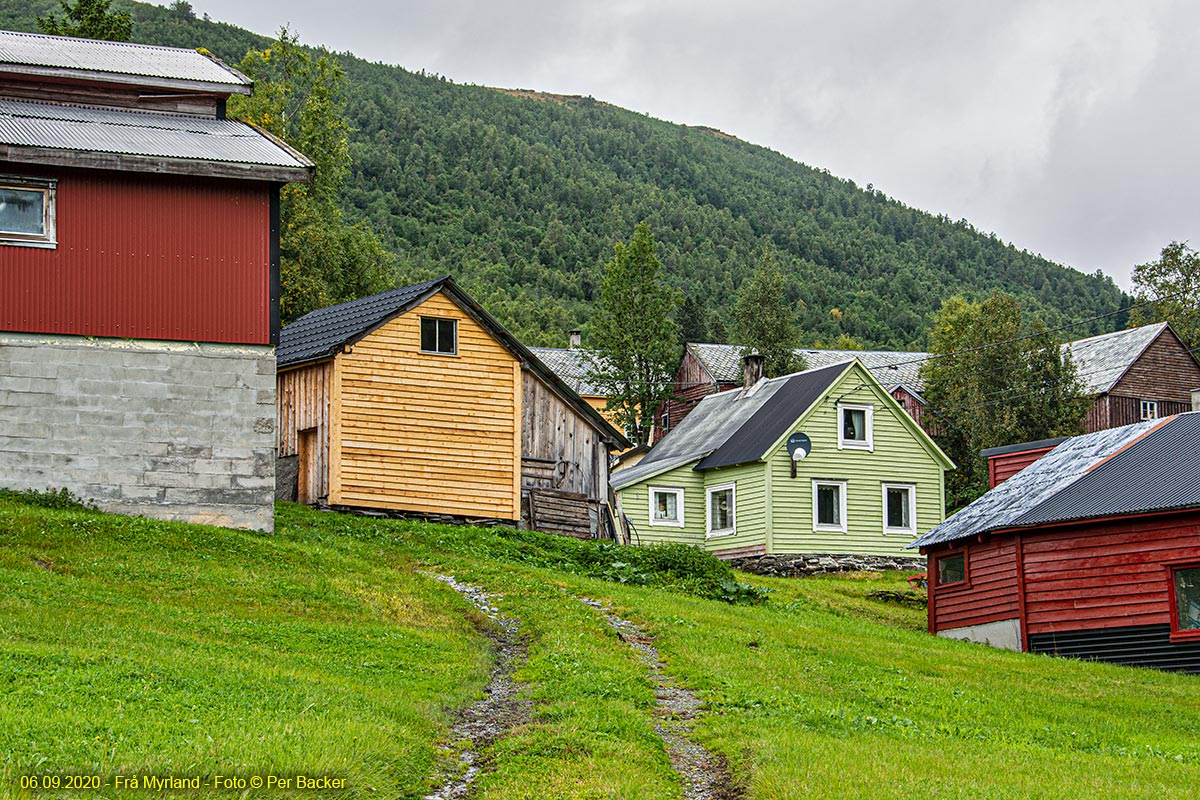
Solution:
(136, 647)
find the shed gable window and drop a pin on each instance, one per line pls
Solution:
(899, 508)
(855, 427)
(720, 510)
(666, 506)
(27, 211)
(439, 335)
(829, 506)
(1185, 601)
(1149, 409)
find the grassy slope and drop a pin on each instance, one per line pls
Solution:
(134, 645)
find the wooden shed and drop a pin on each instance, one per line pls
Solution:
(417, 402)
(1093, 551)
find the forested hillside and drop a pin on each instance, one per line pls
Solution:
(521, 196)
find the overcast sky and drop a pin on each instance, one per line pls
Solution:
(1067, 128)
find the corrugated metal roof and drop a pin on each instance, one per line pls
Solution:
(321, 333)
(118, 58)
(1150, 466)
(724, 363)
(571, 365)
(733, 427)
(1102, 360)
(138, 133)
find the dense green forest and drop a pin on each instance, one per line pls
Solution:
(521, 197)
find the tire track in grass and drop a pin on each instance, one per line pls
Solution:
(486, 720)
(705, 774)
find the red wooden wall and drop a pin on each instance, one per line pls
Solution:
(989, 593)
(1004, 466)
(146, 257)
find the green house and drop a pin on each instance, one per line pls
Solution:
(819, 462)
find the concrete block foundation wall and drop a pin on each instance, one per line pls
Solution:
(170, 430)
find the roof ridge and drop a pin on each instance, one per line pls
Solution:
(1159, 325)
(103, 42)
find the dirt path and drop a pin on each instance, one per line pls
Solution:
(705, 774)
(488, 719)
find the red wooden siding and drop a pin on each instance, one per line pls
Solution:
(146, 257)
(1105, 575)
(1004, 466)
(990, 592)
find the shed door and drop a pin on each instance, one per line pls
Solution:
(309, 485)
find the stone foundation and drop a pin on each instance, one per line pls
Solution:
(797, 565)
(169, 430)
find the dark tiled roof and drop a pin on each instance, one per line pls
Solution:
(1102, 360)
(1150, 466)
(571, 365)
(140, 133)
(116, 59)
(321, 333)
(724, 363)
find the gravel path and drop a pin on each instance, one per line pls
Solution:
(705, 774)
(486, 720)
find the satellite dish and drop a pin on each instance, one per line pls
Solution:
(798, 446)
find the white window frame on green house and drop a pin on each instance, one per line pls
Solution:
(709, 533)
(664, 521)
(868, 440)
(1149, 409)
(48, 189)
(841, 526)
(910, 491)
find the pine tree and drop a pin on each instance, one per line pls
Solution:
(635, 336)
(765, 320)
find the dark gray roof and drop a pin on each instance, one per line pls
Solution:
(734, 426)
(1022, 447)
(571, 365)
(1102, 360)
(724, 363)
(56, 128)
(322, 333)
(1150, 466)
(117, 61)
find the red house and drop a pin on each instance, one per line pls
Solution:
(1093, 552)
(139, 280)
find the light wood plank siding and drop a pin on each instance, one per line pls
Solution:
(429, 433)
(303, 402)
(559, 448)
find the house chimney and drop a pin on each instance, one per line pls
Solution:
(753, 365)
(1195, 399)
(575, 338)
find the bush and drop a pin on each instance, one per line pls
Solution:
(60, 499)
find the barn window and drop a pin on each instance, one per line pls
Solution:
(666, 506)
(899, 508)
(439, 335)
(1149, 409)
(27, 211)
(1185, 601)
(720, 516)
(855, 423)
(829, 506)
(952, 568)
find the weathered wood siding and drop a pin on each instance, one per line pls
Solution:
(990, 592)
(429, 433)
(559, 448)
(692, 384)
(302, 402)
(1165, 372)
(900, 457)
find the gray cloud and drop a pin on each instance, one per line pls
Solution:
(1066, 128)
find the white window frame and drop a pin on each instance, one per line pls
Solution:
(49, 189)
(911, 488)
(437, 335)
(669, 523)
(709, 533)
(842, 507)
(1148, 409)
(868, 443)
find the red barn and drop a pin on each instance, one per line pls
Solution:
(1092, 551)
(139, 280)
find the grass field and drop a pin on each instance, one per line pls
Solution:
(131, 647)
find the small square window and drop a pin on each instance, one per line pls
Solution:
(666, 506)
(27, 211)
(1149, 409)
(829, 506)
(855, 424)
(952, 568)
(1186, 586)
(439, 335)
(720, 510)
(899, 508)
